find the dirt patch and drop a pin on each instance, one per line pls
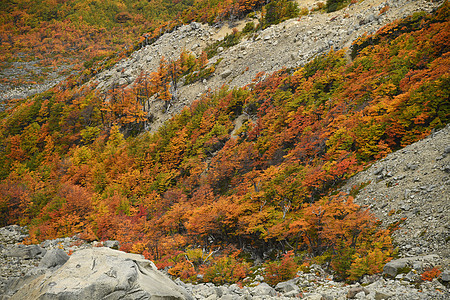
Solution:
(228, 28)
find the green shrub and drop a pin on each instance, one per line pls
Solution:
(249, 27)
(333, 5)
(226, 269)
(279, 11)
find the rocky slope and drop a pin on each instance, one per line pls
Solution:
(412, 186)
(35, 79)
(288, 44)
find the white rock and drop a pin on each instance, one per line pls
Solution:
(98, 273)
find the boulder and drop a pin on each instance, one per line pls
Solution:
(54, 258)
(13, 284)
(445, 276)
(382, 296)
(195, 25)
(393, 267)
(226, 73)
(112, 244)
(263, 289)
(404, 265)
(352, 292)
(103, 273)
(412, 276)
(287, 286)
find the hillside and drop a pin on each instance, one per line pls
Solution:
(217, 154)
(287, 45)
(423, 163)
(411, 187)
(43, 42)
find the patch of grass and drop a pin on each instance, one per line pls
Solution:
(228, 41)
(334, 5)
(357, 188)
(249, 27)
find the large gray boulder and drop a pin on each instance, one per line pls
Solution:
(287, 286)
(263, 289)
(103, 273)
(54, 258)
(393, 267)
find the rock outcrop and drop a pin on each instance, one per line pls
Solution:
(45, 271)
(102, 273)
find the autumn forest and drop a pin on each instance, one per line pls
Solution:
(200, 195)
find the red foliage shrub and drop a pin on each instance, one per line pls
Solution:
(283, 270)
(430, 274)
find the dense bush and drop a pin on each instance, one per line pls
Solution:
(333, 5)
(278, 11)
(226, 269)
(279, 271)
